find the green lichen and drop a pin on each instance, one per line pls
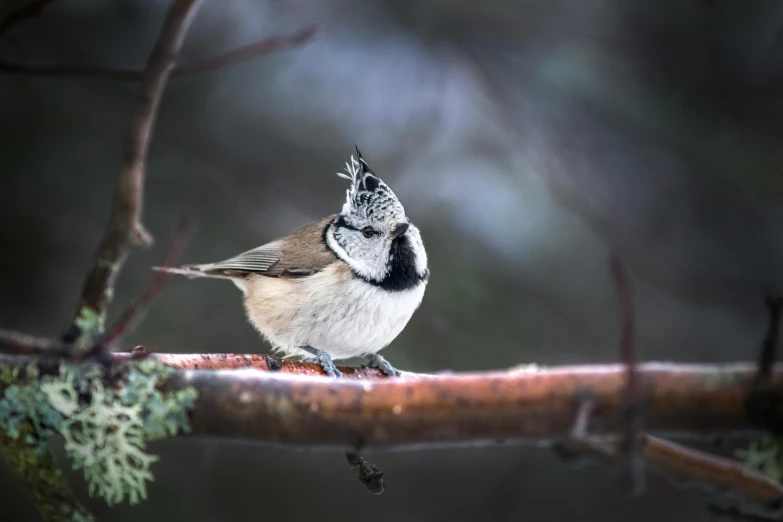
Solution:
(106, 439)
(765, 455)
(105, 428)
(90, 324)
(26, 403)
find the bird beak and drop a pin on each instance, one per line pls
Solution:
(399, 230)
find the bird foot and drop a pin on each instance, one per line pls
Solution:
(376, 361)
(324, 359)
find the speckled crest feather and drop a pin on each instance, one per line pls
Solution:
(368, 197)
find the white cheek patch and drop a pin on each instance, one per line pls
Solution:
(365, 268)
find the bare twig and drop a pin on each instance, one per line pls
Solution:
(30, 10)
(24, 344)
(235, 56)
(769, 348)
(125, 215)
(368, 473)
(632, 463)
(689, 467)
(764, 404)
(136, 311)
(248, 52)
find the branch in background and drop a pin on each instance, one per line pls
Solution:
(19, 343)
(30, 10)
(689, 467)
(632, 462)
(769, 348)
(235, 56)
(764, 404)
(125, 216)
(132, 315)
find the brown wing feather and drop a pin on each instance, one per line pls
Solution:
(298, 255)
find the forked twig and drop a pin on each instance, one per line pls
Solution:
(122, 74)
(139, 307)
(125, 215)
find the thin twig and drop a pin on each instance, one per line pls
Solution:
(233, 57)
(19, 343)
(30, 10)
(136, 311)
(125, 215)
(632, 463)
(768, 354)
(764, 405)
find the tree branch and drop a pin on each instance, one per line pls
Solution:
(30, 10)
(138, 308)
(125, 215)
(631, 462)
(690, 467)
(235, 56)
(291, 405)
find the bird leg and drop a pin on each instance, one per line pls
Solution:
(376, 361)
(324, 359)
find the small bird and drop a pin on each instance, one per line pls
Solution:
(342, 287)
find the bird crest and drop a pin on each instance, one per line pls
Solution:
(368, 195)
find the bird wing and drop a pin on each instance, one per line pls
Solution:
(260, 259)
(301, 254)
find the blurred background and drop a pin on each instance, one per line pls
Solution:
(525, 139)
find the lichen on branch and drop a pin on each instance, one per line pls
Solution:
(105, 428)
(765, 455)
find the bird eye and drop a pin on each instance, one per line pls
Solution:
(368, 232)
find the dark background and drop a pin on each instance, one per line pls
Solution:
(524, 138)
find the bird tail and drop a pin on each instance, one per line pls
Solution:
(194, 271)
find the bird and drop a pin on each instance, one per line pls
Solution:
(344, 286)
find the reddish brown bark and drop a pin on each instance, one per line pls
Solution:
(456, 408)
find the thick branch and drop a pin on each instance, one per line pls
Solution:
(257, 397)
(468, 408)
(292, 405)
(128, 74)
(124, 219)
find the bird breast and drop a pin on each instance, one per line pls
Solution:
(331, 310)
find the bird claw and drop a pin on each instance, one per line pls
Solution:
(325, 360)
(376, 361)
